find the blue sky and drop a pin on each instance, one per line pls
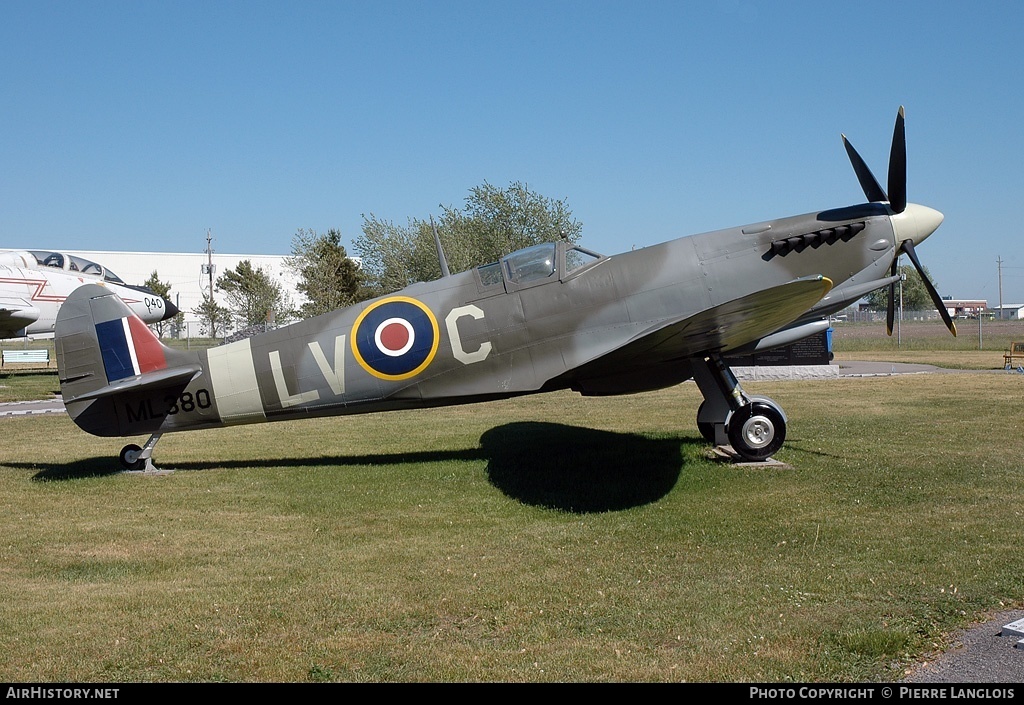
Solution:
(141, 125)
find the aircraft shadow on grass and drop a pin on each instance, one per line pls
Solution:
(580, 470)
(561, 467)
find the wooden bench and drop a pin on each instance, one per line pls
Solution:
(36, 356)
(1016, 352)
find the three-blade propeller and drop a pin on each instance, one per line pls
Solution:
(897, 199)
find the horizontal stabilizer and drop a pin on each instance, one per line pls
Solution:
(160, 379)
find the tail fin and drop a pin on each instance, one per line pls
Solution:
(111, 366)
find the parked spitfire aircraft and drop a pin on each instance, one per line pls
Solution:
(548, 317)
(34, 283)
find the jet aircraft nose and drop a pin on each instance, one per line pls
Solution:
(915, 223)
(170, 310)
(146, 312)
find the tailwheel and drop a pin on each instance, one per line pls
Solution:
(757, 430)
(135, 458)
(131, 457)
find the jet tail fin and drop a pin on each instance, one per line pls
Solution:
(111, 365)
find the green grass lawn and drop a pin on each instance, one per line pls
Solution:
(542, 539)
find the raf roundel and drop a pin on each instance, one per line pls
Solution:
(395, 338)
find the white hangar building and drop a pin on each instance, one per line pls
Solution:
(187, 274)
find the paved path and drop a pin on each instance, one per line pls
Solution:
(852, 368)
(989, 652)
(27, 408)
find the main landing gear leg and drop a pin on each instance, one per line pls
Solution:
(135, 458)
(755, 427)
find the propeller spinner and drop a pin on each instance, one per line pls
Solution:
(912, 223)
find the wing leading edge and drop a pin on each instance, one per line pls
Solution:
(721, 329)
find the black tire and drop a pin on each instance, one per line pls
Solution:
(757, 430)
(130, 459)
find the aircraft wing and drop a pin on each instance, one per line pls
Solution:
(839, 298)
(16, 314)
(722, 328)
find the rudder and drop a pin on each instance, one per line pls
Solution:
(108, 360)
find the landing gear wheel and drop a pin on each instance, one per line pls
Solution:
(757, 430)
(130, 459)
(706, 428)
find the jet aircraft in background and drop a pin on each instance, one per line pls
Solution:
(34, 284)
(549, 317)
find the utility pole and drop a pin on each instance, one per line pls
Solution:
(209, 261)
(899, 321)
(999, 263)
(208, 267)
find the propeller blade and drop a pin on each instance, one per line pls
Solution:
(898, 165)
(908, 247)
(872, 189)
(890, 309)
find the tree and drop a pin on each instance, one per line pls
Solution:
(328, 277)
(213, 317)
(915, 294)
(494, 222)
(163, 290)
(388, 254)
(253, 297)
(491, 223)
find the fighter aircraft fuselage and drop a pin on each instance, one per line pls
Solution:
(514, 328)
(552, 316)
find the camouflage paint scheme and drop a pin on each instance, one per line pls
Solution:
(549, 317)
